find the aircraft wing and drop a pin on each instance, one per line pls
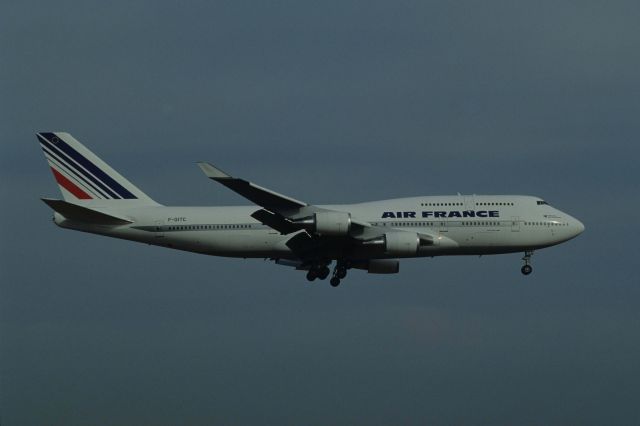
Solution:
(288, 215)
(263, 197)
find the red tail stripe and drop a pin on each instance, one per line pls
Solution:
(70, 186)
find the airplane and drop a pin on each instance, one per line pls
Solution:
(371, 236)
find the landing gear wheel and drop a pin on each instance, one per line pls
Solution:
(335, 281)
(324, 273)
(311, 275)
(526, 269)
(341, 272)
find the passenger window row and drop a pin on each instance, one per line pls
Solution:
(206, 227)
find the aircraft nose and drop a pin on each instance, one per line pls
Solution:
(579, 226)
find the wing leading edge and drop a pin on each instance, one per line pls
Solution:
(263, 197)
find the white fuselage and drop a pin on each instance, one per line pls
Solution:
(462, 224)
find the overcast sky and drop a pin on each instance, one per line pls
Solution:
(327, 102)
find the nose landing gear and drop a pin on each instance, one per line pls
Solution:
(527, 268)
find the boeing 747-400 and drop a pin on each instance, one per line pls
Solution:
(372, 236)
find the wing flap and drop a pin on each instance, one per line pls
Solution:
(302, 244)
(275, 221)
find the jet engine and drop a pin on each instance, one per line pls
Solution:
(383, 266)
(332, 223)
(378, 266)
(401, 243)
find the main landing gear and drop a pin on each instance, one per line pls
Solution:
(527, 269)
(322, 271)
(339, 273)
(318, 271)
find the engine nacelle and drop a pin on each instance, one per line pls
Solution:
(332, 223)
(401, 244)
(383, 266)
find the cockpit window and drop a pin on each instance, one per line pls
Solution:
(541, 202)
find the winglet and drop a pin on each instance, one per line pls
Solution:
(212, 171)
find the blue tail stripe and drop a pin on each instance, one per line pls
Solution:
(81, 179)
(68, 162)
(80, 159)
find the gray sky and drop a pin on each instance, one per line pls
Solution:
(327, 102)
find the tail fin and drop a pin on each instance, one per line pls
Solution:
(82, 176)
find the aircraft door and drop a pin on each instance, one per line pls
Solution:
(515, 223)
(159, 229)
(469, 203)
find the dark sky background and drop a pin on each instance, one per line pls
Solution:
(327, 102)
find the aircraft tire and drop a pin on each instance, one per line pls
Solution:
(526, 269)
(341, 272)
(324, 273)
(335, 282)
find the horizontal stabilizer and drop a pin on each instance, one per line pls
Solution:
(83, 214)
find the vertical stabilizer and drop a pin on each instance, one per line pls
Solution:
(83, 177)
